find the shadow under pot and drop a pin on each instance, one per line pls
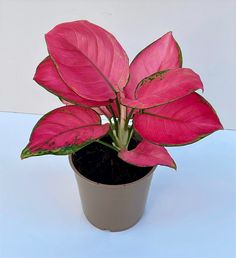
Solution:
(113, 193)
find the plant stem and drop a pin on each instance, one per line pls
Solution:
(108, 145)
(113, 115)
(128, 117)
(118, 107)
(114, 137)
(131, 131)
(122, 131)
(122, 118)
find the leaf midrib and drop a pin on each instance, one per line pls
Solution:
(96, 68)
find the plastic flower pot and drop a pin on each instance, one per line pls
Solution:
(113, 207)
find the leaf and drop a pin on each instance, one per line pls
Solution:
(47, 76)
(147, 154)
(89, 59)
(164, 87)
(180, 122)
(64, 131)
(162, 54)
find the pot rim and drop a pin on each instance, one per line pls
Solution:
(107, 185)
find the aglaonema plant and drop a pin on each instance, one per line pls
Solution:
(154, 97)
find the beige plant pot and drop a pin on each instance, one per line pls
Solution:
(113, 207)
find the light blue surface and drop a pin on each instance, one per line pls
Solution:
(189, 213)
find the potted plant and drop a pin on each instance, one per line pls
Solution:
(149, 104)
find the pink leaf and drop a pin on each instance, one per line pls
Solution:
(162, 88)
(147, 154)
(47, 76)
(163, 54)
(180, 122)
(89, 59)
(64, 131)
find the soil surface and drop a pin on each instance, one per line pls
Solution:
(102, 165)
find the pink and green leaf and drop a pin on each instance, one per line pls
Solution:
(163, 54)
(147, 154)
(180, 122)
(48, 77)
(164, 87)
(64, 131)
(89, 59)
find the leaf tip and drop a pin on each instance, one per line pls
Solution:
(170, 33)
(25, 153)
(22, 156)
(221, 127)
(174, 166)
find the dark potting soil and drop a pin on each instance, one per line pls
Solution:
(102, 165)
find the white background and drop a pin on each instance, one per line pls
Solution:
(205, 31)
(190, 213)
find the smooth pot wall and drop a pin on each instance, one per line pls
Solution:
(205, 31)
